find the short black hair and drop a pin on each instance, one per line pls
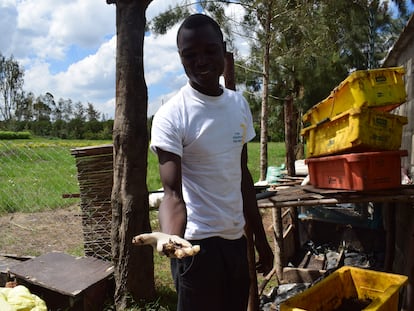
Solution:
(199, 20)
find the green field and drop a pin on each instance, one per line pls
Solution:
(34, 174)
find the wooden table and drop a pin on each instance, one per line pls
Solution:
(310, 196)
(65, 281)
(299, 196)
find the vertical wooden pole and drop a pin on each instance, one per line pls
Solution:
(133, 266)
(229, 78)
(295, 224)
(278, 241)
(290, 135)
(229, 75)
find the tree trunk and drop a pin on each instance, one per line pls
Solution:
(265, 97)
(134, 267)
(253, 305)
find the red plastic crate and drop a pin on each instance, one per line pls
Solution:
(357, 171)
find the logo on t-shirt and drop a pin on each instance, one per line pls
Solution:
(240, 137)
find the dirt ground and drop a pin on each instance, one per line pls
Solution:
(33, 234)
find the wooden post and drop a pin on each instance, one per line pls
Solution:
(229, 79)
(290, 136)
(295, 223)
(133, 266)
(229, 76)
(278, 243)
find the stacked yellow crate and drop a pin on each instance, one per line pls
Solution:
(356, 118)
(350, 288)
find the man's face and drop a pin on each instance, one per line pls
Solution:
(202, 55)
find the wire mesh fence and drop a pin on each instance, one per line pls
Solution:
(55, 196)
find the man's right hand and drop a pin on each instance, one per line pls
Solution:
(169, 245)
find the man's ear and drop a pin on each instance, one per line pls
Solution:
(179, 54)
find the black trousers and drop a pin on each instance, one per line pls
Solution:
(216, 279)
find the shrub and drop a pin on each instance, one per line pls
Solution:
(7, 135)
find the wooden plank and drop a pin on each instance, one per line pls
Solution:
(301, 275)
(92, 150)
(309, 195)
(289, 248)
(63, 273)
(7, 261)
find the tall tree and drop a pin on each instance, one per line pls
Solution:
(79, 111)
(134, 270)
(11, 83)
(41, 108)
(24, 107)
(348, 36)
(265, 16)
(66, 108)
(315, 45)
(91, 113)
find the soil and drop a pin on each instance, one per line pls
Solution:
(34, 234)
(353, 304)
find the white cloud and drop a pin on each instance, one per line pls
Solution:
(48, 28)
(38, 79)
(82, 22)
(92, 76)
(67, 48)
(91, 79)
(160, 56)
(235, 13)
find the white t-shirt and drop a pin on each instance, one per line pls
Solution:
(208, 133)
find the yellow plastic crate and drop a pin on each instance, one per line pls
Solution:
(356, 130)
(379, 290)
(382, 89)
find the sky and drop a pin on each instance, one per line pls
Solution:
(68, 48)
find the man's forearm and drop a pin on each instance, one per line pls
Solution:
(172, 215)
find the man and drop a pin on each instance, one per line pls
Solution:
(200, 138)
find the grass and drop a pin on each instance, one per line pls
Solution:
(35, 173)
(276, 157)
